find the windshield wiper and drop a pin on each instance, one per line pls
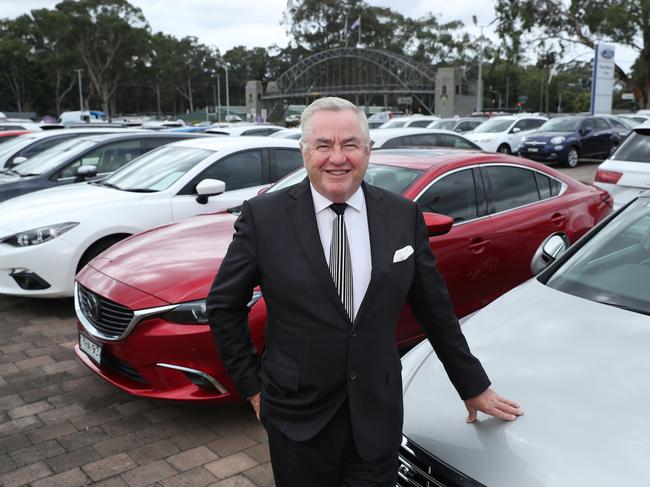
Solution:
(140, 190)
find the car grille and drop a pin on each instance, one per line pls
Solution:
(535, 143)
(115, 365)
(417, 468)
(108, 317)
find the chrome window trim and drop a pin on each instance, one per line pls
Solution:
(563, 187)
(215, 383)
(138, 316)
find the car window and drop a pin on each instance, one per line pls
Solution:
(107, 158)
(521, 125)
(241, 170)
(601, 124)
(442, 124)
(284, 161)
(397, 142)
(547, 186)
(453, 195)
(511, 187)
(42, 145)
(450, 140)
(588, 123)
(260, 132)
(534, 123)
(612, 267)
(462, 127)
(635, 148)
(616, 123)
(420, 123)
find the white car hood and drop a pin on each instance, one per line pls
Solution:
(580, 371)
(58, 205)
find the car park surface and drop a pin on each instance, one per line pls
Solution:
(571, 347)
(80, 159)
(626, 173)
(504, 133)
(47, 236)
(567, 139)
(155, 342)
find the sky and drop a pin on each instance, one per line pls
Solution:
(257, 23)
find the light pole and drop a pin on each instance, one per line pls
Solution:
(479, 84)
(225, 66)
(81, 98)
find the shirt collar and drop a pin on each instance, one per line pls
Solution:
(356, 201)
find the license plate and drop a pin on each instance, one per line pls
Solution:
(90, 348)
(533, 149)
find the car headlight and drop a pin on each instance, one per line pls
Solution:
(195, 313)
(558, 140)
(39, 235)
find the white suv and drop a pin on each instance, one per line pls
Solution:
(504, 133)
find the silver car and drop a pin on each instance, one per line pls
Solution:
(571, 346)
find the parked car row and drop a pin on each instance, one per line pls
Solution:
(152, 338)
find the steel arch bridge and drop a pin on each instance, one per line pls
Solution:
(354, 72)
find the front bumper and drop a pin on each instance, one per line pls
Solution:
(54, 262)
(156, 358)
(547, 153)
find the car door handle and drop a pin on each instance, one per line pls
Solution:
(558, 218)
(477, 245)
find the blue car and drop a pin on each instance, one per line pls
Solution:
(568, 139)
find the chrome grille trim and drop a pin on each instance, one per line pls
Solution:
(113, 333)
(418, 468)
(215, 383)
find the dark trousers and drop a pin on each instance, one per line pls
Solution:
(330, 459)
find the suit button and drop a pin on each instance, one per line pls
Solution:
(353, 376)
(353, 334)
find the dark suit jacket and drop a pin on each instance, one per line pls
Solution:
(315, 357)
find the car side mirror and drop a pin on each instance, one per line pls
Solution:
(207, 188)
(515, 130)
(550, 249)
(86, 172)
(437, 224)
(19, 160)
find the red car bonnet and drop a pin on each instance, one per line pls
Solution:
(174, 263)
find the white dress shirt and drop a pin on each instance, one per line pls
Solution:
(356, 226)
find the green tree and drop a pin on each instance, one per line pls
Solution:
(109, 36)
(583, 22)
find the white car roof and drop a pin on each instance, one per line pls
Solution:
(45, 134)
(217, 143)
(380, 136)
(238, 129)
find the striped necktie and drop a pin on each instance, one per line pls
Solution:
(340, 263)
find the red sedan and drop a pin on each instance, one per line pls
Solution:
(141, 304)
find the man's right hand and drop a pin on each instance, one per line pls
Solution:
(255, 402)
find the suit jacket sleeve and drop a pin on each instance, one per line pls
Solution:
(227, 305)
(431, 305)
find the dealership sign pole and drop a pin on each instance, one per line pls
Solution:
(602, 82)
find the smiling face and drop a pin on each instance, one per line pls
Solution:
(336, 154)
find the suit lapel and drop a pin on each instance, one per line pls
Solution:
(303, 219)
(378, 225)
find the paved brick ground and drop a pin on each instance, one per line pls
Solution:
(62, 426)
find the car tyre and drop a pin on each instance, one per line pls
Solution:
(97, 248)
(572, 157)
(504, 149)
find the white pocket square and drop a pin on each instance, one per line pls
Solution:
(402, 254)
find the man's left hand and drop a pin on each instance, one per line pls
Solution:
(490, 403)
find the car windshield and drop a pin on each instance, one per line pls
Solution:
(443, 124)
(494, 125)
(54, 156)
(390, 178)
(9, 148)
(613, 267)
(560, 125)
(156, 170)
(636, 147)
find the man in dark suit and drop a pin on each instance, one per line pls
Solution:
(336, 259)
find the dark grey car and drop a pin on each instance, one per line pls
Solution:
(81, 159)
